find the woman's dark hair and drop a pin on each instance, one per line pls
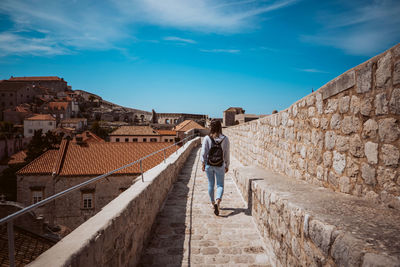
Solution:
(216, 128)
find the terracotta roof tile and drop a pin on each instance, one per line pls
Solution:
(17, 158)
(36, 78)
(96, 158)
(187, 125)
(134, 130)
(166, 132)
(41, 117)
(58, 105)
(28, 246)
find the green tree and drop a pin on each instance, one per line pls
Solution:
(41, 143)
(98, 130)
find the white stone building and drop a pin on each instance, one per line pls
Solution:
(44, 122)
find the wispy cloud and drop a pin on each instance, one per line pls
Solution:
(312, 70)
(180, 40)
(109, 24)
(363, 29)
(229, 51)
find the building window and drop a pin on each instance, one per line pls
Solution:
(126, 140)
(37, 195)
(11, 103)
(144, 140)
(134, 139)
(153, 140)
(171, 140)
(167, 121)
(30, 131)
(11, 94)
(87, 200)
(116, 139)
(50, 123)
(176, 121)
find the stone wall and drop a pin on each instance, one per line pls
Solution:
(115, 236)
(344, 136)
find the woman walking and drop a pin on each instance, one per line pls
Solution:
(215, 159)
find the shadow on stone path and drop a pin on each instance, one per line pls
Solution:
(187, 233)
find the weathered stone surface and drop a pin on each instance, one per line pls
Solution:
(389, 155)
(395, 102)
(330, 140)
(331, 106)
(311, 112)
(368, 173)
(324, 123)
(396, 73)
(353, 167)
(381, 104)
(340, 84)
(383, 71)
(342, 143)
(364, 78)
(335, 121)
(355, 105)
(319, 103)
(356, 146)
(344, 184)
(310, 100)
(315, 122)
(385, 177)
(346, 251)
(327, 159)
(321, 235)
(370, 129)
(344, 104)
(388, 130)
(379, 260)
(339, 162)
(371, 151)
(350, 124)
(365, 107)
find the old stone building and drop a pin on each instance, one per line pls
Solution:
(135, 134)
(187, 126)
(78, 124)
(176, 118)
(44, 122)
(52, 82)
(229, 115)
(78, 161)
(13, 94)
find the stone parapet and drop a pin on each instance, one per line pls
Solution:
(116, 235)
(306, 225)
(345, 136)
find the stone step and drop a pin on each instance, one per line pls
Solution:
(307, 225)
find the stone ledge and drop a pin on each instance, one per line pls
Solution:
(115, 236)
(309, 225)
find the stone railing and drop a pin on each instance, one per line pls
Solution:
(344, 136)
(115, 236)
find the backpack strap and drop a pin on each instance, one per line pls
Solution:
(213, 141)
(221, 141)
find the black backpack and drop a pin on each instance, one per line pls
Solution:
(215, 154)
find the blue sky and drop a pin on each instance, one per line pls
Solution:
(194, 56)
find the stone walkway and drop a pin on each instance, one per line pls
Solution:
(187, 233)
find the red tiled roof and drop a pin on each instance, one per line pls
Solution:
(166, 132)
(187, 125)
(95, 159)
(88, 136)
(17, 158)
(58, 105)
(36, 78)
(41, 117)
(28, 246)
(134, 130)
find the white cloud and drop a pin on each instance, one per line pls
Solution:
(229, 51)
(312, 70)
(86, 24)
(180, 40)
(362, 30)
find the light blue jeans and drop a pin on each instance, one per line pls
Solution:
(215, 173)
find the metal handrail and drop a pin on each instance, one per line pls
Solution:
(9, 219)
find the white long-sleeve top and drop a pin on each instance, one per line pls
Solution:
(207, 143)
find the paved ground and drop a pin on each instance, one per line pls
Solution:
(187, 233)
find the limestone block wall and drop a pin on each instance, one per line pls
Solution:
(116, 235)
(344, 136)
